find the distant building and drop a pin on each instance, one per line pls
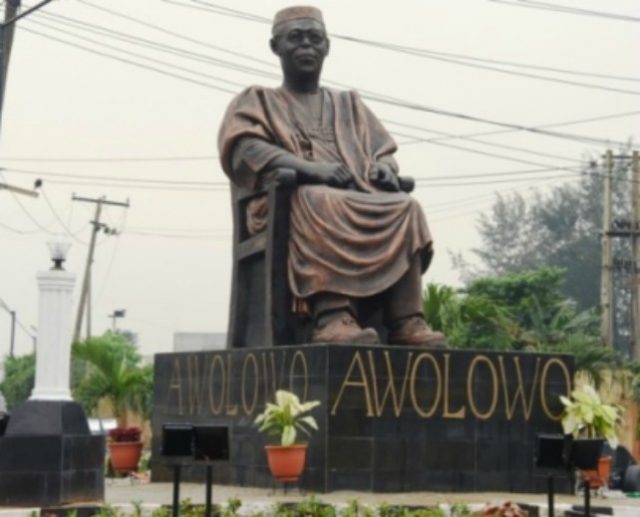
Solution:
(199, 341)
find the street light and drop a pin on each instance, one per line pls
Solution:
(58, 251)
(118, 313)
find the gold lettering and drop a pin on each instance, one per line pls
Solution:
(175, 384)
(303, 361)
(510, 405)
(269, 390)
(447, 413)
(412, 389)
(217, 360)
(470, 381)
(248, 409)
(352, 383)
(283, 362)
(543, 385)
(391, 387)
(195, 383)
(231, 409)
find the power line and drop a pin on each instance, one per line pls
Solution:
(415, 50)
(147, 58)
(128, 61)
(429, 54)
(401, 103)
(126, 180)
(155, 45)
(203, 185)
(545, 6)
(60, 221)
(109, 159)
(433, 56)
(475, 140)
(177, 34)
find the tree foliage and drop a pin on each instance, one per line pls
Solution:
(524, 310)
(560, 228)
(107, 366)
(19, 375)
(113, 372)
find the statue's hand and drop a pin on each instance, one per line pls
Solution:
(330, 173)
(383, 177)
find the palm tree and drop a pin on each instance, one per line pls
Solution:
(113, 372)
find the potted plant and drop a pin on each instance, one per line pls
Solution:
(283, 420)
(112, 372)
(125, 448)
(586, 416)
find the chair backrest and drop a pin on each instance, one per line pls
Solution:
(260, 307)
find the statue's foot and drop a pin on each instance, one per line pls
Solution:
(414, 331)
(341, 327)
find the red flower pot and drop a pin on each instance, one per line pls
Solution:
(286, 463)
(125, 456)
(598, 477)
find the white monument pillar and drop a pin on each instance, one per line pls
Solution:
(53, 352)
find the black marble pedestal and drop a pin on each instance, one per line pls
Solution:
(392, 418)
(48, 457)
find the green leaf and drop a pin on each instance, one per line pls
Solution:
(288, 435)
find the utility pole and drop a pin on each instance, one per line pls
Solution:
(13, 333)
(627, 229)
(85, 292)
(11, 313)
(606, 277)
(7, 29)
(635, 262)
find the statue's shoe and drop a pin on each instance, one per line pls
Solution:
(414, 331)
(343, 328)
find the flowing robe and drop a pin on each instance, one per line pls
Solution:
(355, 242)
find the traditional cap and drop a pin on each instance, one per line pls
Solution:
(295, 13)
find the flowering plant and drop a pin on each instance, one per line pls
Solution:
(286, 417)
(586, 415)
(125, 434)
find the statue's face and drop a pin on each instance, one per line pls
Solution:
(302, 46)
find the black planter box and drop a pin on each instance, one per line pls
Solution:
(48, 456)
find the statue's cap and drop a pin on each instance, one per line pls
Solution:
(295, 13)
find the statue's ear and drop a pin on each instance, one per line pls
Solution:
(273, 43)
(328, 47)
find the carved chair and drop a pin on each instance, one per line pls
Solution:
(260, 312)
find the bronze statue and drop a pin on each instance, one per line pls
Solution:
(354, 234)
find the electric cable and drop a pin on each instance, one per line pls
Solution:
(59, 219)
(142, 56)
(399, 102)
(545, 6)
(439, 56)
(128, 61)
(152, 44)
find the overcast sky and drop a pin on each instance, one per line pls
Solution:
(170, 265)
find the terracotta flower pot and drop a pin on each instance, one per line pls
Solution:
(286, 463)
(598, 477)
(125, 456)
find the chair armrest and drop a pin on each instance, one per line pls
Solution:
(285, 178)
(406, 183)
(279, 179)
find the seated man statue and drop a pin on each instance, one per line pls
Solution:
(353, 233)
